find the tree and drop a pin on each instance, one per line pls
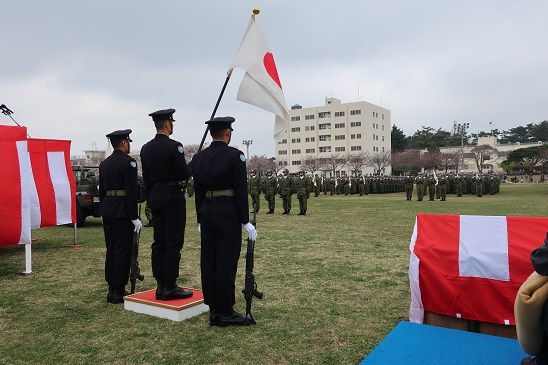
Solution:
(431, 159)
(379, 161)
(190, 151)
(450, 159)
(332, 163)
(357, 160)
(540, 131)
(481, 154)
(399, 140)
(311, 163)
(259, 163)
(521, 155)
(508, 165)
(406, 161)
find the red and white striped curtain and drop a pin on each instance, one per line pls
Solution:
(37, 186)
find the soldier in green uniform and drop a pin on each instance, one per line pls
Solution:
(317, 185)
(442, 182)
(479, 186)
(420, 182)
(190, 187)
(459, 183)
(254, 187)
(431, 183)
(270, 186)
(302, 186)
(285, 188)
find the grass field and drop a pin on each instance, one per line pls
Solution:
(335, 284)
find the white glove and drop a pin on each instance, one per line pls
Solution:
(138, 225)
(251, 231)
(199, 228)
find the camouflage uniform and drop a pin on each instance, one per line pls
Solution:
(285, 188)
(270, 185)
(254, 187)
(302, 186)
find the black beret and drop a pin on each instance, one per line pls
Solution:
(160, 115)
(220, 123)
(120, 134)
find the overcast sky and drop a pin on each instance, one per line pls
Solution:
(78, 70)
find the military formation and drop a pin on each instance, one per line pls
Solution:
(426, 187)
(439, 186)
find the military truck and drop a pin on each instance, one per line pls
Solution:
(87, 192)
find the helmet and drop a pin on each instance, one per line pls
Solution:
(301, 170)
(253, 171)
(269, 171)
(286, 170)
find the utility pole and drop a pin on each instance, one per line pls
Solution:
(247, 142)
(460, 128)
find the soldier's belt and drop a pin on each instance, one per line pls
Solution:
(170, 183)
(116, 193)
(217, 193)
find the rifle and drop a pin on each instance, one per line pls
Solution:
(134, 269)
(250, 288)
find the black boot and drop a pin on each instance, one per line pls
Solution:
(230, 318)
(300, 213)
(172, 291)
(289, 210)
(285, 212)
(117, 294)
(213, 316)
(159, 290)
(271, 211)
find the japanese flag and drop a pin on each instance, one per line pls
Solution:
(261, 84)
(471, 267)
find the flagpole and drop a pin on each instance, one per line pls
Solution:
(255, 12)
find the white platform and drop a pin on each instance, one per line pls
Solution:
(175, 310)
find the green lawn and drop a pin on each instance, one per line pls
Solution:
(335, 284)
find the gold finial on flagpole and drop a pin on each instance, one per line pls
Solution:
(255, 12)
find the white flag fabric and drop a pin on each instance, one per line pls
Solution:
(261, 84)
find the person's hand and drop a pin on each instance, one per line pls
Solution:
(137, 224)
(199, 228)
(251, 231)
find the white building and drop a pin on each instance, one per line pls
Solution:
(334, 131)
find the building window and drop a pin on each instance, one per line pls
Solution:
(383, 138)
(355, 148)
(352, 136)
(310, 150)
(312, 128)
(325, 149)
(325, 138)
(312, 139)
(324, 126)
(339, 125)
(340, 137)
(296, 129)
(306, 129)
(383, 127)
(356, 124)
(282, 152)
(339, 149)
(339, 114)
(373, 137)
(295, 119)
(283, 141)
(309, 117)
(383, 149)
(296, 163)
(358, 136)
(295, 140)
(383, 117)
(355, 112)
(295, 152)
(324, 115)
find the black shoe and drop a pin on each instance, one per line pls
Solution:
(116, 296)
(270, 212)
(300, 213)
(159, 291)
(213, 317)
(172, 292)
(232, 319)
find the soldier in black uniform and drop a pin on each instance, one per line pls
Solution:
(164, 173)
(222, 208)
(118, 196)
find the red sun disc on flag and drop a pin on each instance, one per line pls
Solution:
(270, 67)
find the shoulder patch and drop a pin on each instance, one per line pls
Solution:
(180, 148)
(133, 163)
(242, 157)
